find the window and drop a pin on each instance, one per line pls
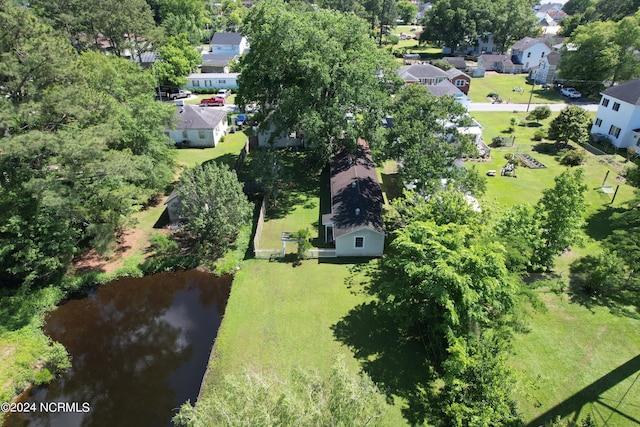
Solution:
(201, 134)
(221, 82)
(460, 83)
(184, 134)
(605, 102)
(616, 106)
(598, 122)
(614, 131)
(196, 83)
(359, 242)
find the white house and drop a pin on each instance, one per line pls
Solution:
(618, 115)
(529, 51)
(229, 44)
(212, 80)
(266, 138)
(197, 126)
(355, 223)
(445, 87)
(547, 70)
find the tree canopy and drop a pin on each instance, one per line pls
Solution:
(316, 72)
(213, 204)
(425, 138)
(572, 124)
(81, 148)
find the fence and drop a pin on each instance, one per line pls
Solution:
(256, 238)
(321, 253)
(241, 156)
(268, 253)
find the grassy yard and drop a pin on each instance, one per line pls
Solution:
(576, 361)
(504, 84)
(280, 317)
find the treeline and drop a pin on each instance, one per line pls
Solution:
(81, 148)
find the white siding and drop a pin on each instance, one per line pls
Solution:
(373, 244)
(212, 80)
(626, 118)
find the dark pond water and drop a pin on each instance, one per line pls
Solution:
(139, 350)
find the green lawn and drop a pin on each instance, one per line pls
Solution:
(279, 317)
(571, 364)
(298, 204)
(227, 151)
(504, 84)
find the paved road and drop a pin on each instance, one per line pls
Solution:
(487, 106)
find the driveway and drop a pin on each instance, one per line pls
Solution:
(487, 106)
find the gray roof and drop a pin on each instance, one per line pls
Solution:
(356, 196)
(147, 57)
(214, 60)
(553, 58)
(456, 61)
(197, 117)
(454, 72)
(626, 92)
(420, 71)
(443, 88)
(527, 42)
(489, 58)
(227, 39)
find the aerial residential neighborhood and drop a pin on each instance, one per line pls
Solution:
(273, 213)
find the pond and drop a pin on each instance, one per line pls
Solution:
(139, 349)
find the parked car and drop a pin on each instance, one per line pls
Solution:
(216, 101)
(223, 93)
(180, 94)
(241, 120)
(570, 92)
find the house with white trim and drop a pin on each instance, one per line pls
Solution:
(212, 81)
(355, 223)
(229, 43)
(197, 126)
(547, 71)
(618, 115)
(529, 51)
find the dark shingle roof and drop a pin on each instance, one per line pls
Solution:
(226, 39)
(214, 60)
(527, 42)
(627, 92)
(553, 58)
(356, 196)
(197, 117)
(456, 61)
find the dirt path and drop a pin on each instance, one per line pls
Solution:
(131, 242)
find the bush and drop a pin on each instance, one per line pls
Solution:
(499, 141)
(571, 157)
(539, 135)
(493, 95)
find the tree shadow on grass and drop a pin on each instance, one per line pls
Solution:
(393, 357)
(598, 225)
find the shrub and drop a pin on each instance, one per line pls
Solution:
(539, 135)
(493, 95)
(571, 157)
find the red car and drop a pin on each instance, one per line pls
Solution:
(216, 101)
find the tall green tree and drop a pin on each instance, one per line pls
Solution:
(315, 72)
(214, 205)
(512, 20)
(407, 11)
(572, 124)
(177, 59)
(425, 138)
(560, 213)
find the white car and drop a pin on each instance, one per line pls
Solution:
(571, 92)
(223, 93)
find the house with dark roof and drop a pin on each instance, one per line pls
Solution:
(618, 115)
(457, 62)
(216, 63)
(438, 81)
(226, 43)
(500, 63)
(529, 51)
(546, 72)
(197, 126)
(355, 224)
